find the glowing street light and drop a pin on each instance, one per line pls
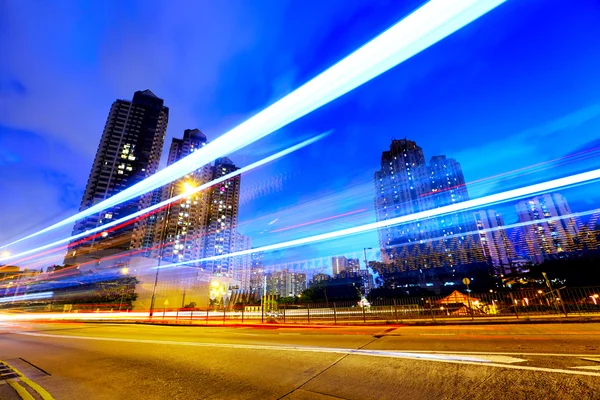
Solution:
(5, 254)
(188, 188)
(594, 299)
(124, 271)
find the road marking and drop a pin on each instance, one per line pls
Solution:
(40, 390)
(592, 368)
(498, 358)
(21, 391)
(452, 358)
(497, 352)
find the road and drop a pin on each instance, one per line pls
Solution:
(132, 361)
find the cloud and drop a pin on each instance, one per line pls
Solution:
(40, 181)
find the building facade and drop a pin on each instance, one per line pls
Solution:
(222, 219)
(242, 265)
(497, 247)
(549, 229)
(178, 232)
(286, 283)
(406, 185)
(129, 151)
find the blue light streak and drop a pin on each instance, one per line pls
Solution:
(172, 199)
(26, 297)
(513, 194)
(427, 25)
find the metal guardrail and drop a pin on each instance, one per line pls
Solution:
(560, 302)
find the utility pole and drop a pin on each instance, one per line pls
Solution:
(366, 266)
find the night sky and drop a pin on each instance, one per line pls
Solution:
(518, 87)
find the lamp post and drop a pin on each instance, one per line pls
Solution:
(365, 253)
(187, 187)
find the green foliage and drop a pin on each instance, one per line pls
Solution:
(116, 293)
(339, 289)
(582, 270)
(287, 300)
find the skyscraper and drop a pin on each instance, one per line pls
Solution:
(222, 219)
(286, 283)
(342, 265)
(339, 264)
(178, 232)
(497, 248)
(256, 275)
(129, 151)
(550, 229)
(242, 265)
(405, 185)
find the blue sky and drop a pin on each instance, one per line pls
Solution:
(515, 88)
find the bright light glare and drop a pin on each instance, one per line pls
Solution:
(465, 205)
(172, 199)
(426, 26)
(188, 188)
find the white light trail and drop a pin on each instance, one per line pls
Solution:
(426, 26)
(23, 297)
(504, 227)
(568, 181)
(170, 200)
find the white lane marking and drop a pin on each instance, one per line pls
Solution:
(497, 352)
(592, 368)
(498, 358)
(446, 358)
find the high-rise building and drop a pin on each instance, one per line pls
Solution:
(550, 229)
(222, 219)
(318, 278)
(257, 281)
(339, 264)
(286, 283)
(242, 265)
(129, 151)
(342, 266)
(178, 232)
(353, 265)
(405, 185)
(497, 248)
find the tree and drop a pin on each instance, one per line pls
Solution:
(287, 300)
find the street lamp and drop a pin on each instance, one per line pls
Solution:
(365, 253)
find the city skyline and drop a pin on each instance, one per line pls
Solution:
(291, 200)
(572, 123)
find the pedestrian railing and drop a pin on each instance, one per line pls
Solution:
(530, 303)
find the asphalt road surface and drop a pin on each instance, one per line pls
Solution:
(132, 361)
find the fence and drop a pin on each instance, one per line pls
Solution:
(563, 302)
